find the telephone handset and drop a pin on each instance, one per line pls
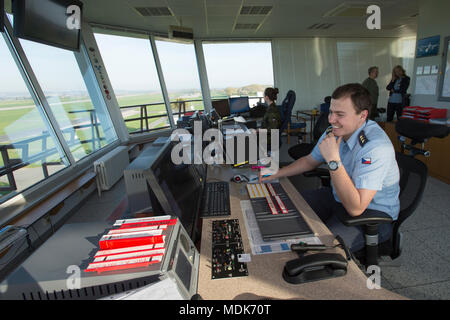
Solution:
(315, 267)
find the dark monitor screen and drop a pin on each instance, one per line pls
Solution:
(222, 107)
(177, 188)
(2, 15)
(239, 105)
(47, 21)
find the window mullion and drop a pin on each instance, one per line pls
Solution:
(203, 75)
(161, 81)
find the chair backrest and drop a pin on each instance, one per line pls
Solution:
(286, 109)
(325, 107)
(320, 126)
(418, 131)
(413, 178)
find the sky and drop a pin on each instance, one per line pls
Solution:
(130, 65)
(234, 65)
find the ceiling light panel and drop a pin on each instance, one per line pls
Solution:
(255, 10)
(154, 11)
(246, 26)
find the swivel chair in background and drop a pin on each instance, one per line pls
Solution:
(325, 106)
(291, 128)
(303, 149)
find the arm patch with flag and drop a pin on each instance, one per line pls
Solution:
(366, 161)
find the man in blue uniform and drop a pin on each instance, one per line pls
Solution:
(361, 160)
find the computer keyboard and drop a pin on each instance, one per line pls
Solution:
(216, 200)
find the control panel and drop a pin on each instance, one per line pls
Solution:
(226, 246)
(275, 213)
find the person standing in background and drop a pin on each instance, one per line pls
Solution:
(397, 88)
(371, 85)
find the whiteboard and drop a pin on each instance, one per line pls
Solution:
(426, 84)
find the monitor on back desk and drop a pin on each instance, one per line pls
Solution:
(239, 105)
(222, 107)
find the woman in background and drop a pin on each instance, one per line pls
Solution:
(272, 117)
(397, 88)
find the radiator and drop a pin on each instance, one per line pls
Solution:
(110, 167)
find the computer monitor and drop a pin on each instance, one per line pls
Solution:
(49, 22)
(222, 107)
(177, 188)
(239, 105)
(2, 15)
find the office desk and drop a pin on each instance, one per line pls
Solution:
(264, 278)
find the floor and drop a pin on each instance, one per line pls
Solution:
(421, 272)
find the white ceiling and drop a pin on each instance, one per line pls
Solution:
(215, 19)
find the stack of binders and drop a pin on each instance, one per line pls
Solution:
(423, 113)
(132, 243)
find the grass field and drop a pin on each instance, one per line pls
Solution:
(20, 119)
(19, 115)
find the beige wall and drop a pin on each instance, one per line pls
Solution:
(314, 67)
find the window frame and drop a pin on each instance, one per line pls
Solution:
(14, 204)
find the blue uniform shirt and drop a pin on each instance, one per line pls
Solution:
(372, 166)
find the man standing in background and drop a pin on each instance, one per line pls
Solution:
(371, 85)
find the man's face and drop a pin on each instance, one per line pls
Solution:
(374, 73)
(343, 117)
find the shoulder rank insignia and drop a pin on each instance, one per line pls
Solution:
(362, 138)
(329, 129)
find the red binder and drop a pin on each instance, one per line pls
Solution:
(423, 113)
(130, 240)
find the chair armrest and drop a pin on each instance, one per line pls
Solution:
(299, 118)
(367, 217)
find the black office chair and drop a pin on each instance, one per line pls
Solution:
(413, 177)
(303, 149)
(419, 133)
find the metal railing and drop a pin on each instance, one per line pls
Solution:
(23, 147)
(144, 116)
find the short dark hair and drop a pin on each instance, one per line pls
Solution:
(272, 93)
(371, 69)
(359, 95)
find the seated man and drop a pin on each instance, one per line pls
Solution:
(361, 160)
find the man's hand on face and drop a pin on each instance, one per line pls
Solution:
(329, 147)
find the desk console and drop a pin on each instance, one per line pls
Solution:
(276, 215)
(226, 246)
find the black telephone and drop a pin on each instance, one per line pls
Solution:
(315, 267)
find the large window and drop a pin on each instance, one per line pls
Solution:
(131, 69)
(29, 152)
(86, 126)
(180, 71)
(238, 68)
